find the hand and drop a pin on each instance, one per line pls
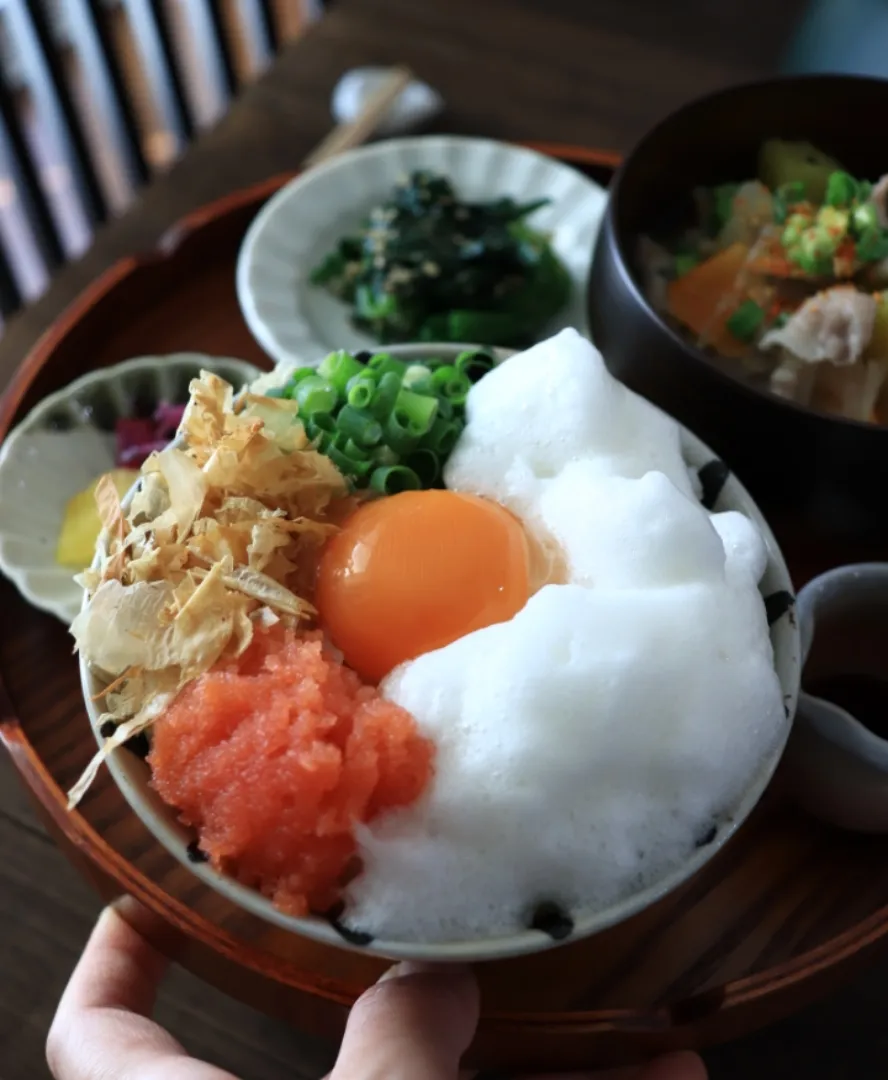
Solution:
(414, 1024)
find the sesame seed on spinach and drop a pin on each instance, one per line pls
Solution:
(426, 266)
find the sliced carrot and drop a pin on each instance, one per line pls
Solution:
(705, 297)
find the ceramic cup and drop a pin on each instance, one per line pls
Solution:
(837, 763)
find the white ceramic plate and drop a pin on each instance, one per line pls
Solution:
(62, 446)
(132, 777)
(297, 322)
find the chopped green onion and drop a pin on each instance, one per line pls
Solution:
(386, 395)
(385, 362)
(425, 464)
(746, 320)
(398, 435)
(276, 392)
(416, 412)
(358, 453)
(445, 408)
(684, 264)
(364, 430)
(360, 391)
(315, 395)
(452, 383)
(319, 425)
(786, 196)
(779, 321)
(442, 437)
(338, 368)
(296, 377)
(872, 246)
(864, 218)
(474, 364)
(384, 455)
(392, 479)
(418, 377)
(348, 466)
(841, 189)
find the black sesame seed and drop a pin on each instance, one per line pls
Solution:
(553, 920)
(107, 729)
(353, 937)
(195, 854)
(706, 839)
(778, 604)
(713, 476)
(138, 745)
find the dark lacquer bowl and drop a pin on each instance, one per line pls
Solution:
(832, 471)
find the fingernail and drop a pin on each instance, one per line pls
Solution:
(417, 967)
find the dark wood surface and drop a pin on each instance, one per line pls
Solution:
(593, 72)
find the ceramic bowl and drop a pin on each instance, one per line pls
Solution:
(722, 491)
(62, 446)
(831, 470)
(836, 765)
(295, 321)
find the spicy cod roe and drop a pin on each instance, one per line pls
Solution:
(275, 757)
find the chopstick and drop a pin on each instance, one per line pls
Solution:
(357, 131)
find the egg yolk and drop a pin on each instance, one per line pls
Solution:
(412, 572)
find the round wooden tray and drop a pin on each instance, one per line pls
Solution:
(780, 915)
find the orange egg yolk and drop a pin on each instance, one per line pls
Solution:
(415, 571)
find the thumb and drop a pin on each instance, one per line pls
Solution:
(414, 1024)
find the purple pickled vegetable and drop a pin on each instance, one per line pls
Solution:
(137, 438)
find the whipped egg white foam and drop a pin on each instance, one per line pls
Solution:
(587, 744)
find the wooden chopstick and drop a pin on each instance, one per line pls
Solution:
(357, 131)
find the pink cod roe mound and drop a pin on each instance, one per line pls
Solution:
(275, 756)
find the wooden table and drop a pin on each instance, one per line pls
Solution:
(597, 72)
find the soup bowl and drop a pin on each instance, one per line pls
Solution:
(548, 926)
(831, 471)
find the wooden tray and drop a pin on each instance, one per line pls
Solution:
(784, 912)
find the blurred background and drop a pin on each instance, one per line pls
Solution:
(96, 96)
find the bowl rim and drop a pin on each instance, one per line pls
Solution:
(610, 233)
(261, 326)
(20, 574)
(130, 775)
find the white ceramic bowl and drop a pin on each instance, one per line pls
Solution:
(64, 444)
(294, 320)
(726, 491)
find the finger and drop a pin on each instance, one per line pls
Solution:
(417, 1021)
(119, 969)
(102, 1030)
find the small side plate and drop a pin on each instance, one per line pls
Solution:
(63, 445)
(296, 322)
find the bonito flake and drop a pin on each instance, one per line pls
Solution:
(221, 538)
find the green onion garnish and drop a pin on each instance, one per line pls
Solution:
(841, 189)
(474, 365)
(872, 246)
(385, 362)
(416, 412)
(386, 395)
(360, 391)
(425, 464)
(364, 430)
(315, 395)
(338, 368)
(392, 479)
(746, 320)
(452, 384)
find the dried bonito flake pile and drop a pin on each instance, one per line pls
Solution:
(222, 536)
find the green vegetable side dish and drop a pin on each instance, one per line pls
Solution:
(426, 266)
(387, 425)
(782, 278)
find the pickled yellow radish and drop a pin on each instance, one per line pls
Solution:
(81, 525)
